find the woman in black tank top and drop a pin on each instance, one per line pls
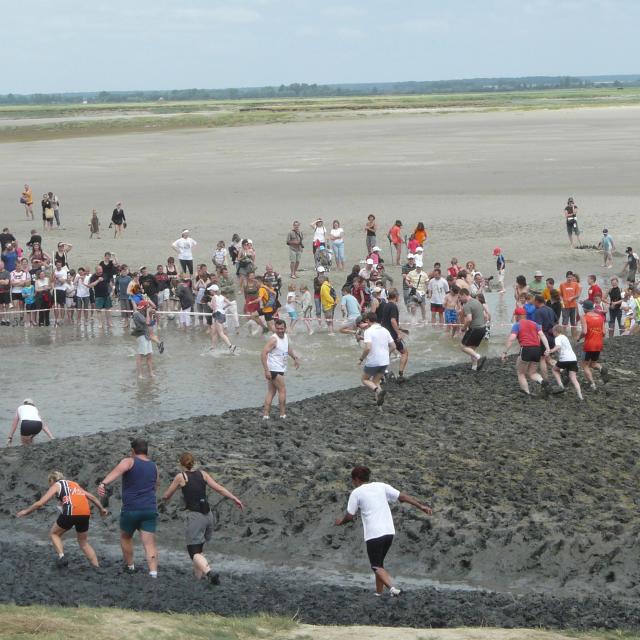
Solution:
(199, 517)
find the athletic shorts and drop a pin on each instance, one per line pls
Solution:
(81, 523)
(450, 316)
(473, 337)
(30, 427)
(61, 296)
(568, 365)
(139, 520)
(144, 346)
(572, 227)
(275, 374)
(219, 317)
(375, 371)
(437, 308)
(569, 316)
(83, 303)
(399, 345)
(199, 527)
(591, 356)
(530, 354)
(267, 315)
(16, 296)
(377, 549)
(5, 297)
(103, 303)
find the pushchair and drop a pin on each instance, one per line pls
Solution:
(323, 257)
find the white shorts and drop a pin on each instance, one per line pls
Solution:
(70, 303)
(163, 296)
(145, 346)
(350, 322)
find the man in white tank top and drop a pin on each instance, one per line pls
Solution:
(274, 361)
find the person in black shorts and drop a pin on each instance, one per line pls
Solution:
(570, 215)
(28, 418)
(474, 328)
(75, 512)
(390, 316)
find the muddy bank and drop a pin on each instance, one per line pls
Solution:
(533, 497)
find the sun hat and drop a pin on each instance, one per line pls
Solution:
(376, 248)
(538, 274)
(410, 256)
(213, 287)
(370, 261)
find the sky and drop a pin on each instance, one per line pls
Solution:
(73, 45)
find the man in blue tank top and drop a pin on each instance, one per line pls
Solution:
(139, 508)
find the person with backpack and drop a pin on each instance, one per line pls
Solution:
(328, 300)
(199, 518)
(269, 303)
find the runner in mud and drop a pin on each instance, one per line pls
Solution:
(139, 508)
(75, 511)
(274, 361)
(529, 335)
(390, 318)
(474, 328)
(199, 518)
(592, 324)
(30, 421)
(378, 344)
(372, 499)
(567, 363)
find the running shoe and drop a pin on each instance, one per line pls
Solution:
(130, 570)
(265, 417)
(394, 592)
(380, 394)
(161, 347)
(283, 417)
(481, 362)
(232, 348)
(62, 563)
(604, 374)
(545, 389)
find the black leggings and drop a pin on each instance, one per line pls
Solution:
(186, 265)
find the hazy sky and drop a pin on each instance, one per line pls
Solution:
(73, 45)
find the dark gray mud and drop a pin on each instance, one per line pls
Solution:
(534, 500)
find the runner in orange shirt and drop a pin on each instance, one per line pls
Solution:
(570, 291)
(593, 334)
(75, 511)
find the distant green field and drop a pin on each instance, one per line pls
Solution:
(75, 120)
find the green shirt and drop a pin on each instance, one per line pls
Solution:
(227, 288)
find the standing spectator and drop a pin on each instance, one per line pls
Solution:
(184, 247)
(337, 244)
(100, 286)
(142, 321)
(631, 265)
(319, 234)
(47, 212)
(396, 242)
(10, 255)
(5, 294)
(27, 200)
(83, 294)
(149, 285)
(55, 204)
(6, 237)
(118, 220)
(570, 291)
(94, 225)
(246, 261)
(371, 229)
(571, 218)
(294, 242)
(121, 286)
(162, 280)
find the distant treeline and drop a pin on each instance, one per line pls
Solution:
(303, 90)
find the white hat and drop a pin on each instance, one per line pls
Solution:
(320, 269)
(213, 287)
(291, 294)
(376, 248)
(537, 274)
(185, 231)
(27, 401)
(377, 290)
(410, 256)
(370, 261)
(419, 249)
(249, 241)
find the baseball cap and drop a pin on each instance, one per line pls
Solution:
(213, 287)
(538, 274)
(369, 260)
(419, 249)
(520, 312)
(587, 305)
(376, 248)
(497, 251)
(249, 241)
(321, 269)
(186, 231)
(27, 401)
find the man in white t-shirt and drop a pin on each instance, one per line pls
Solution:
(372, 499)
(184, 247)
(437, 289)
(378, 344)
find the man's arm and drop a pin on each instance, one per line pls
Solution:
(467, 321)
(403, 497)
(508, 344)
(365, 352)
(544, 340)
(121, 468)
(347, 517)
(294, 357)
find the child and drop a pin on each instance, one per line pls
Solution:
(500, 267)
(94, 225)
(307, 308)
(567, 360)
(599, 306)
(291, 310)
(529, 307)
(220, 257)
(412, 244)
(29, 297)
(451, 304)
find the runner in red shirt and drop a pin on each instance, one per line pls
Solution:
(593, 335)
(533, 345)
(594, 290)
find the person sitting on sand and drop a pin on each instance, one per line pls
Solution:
(75, 511)
(30, 421)
(372, 499)
(199, 517)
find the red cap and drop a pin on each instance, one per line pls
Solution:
(519, 312)
(497, 251)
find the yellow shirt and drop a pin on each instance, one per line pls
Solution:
(325, 297)
(28, 196)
